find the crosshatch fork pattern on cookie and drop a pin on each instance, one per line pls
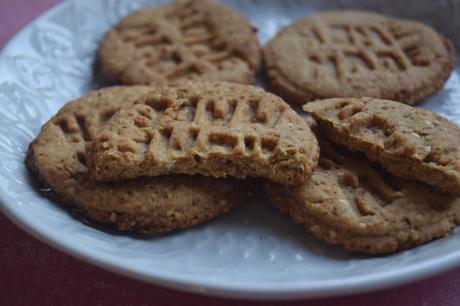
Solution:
(77, 133)
(181, 126)
(357, 54)
(182, 43)
(77, 123)
(214, 129)
(157, 50)
(363, 48)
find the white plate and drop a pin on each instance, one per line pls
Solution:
(254, 252)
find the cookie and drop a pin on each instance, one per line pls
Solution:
(210, 128)
(356, 204)
(409, 142)
(180, 41)
(357, 54)
(58, 157)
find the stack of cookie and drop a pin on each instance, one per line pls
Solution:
(181, 144)
(389, 174)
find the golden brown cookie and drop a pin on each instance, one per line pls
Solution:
(409, 142)
(58, 157)
(211, 128)
(187, 39)
(355, 204)
(357, 54)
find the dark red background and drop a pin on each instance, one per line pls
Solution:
(31, 273)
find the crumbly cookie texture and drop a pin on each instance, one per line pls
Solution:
(211, 128)
(58, 157)
(187, 39)
(409, 142)
(357, 54)
(355, 204)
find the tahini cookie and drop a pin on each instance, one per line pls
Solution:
(357, 54)
(212, 128)
(187, 39)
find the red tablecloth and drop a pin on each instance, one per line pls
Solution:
(31, 273)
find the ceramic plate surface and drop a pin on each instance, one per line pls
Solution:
(253, 252)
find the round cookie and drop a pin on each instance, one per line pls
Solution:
(211, 128)
(409, 142)
(353, 203)
(183, 40)
(58, 157)
(357, 54)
